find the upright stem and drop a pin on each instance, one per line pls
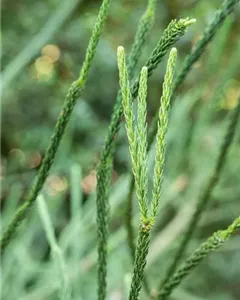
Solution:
(105, 164)
(140, 261)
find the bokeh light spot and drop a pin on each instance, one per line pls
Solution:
(52, 51)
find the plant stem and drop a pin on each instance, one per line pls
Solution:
(206, 195)
(137, 138)
(171, 34)
(129, 217)
(161, 132)
(212, 243)
(70, 101)
(220, 15)
(104, 169)
(102, 230)
(212, 29)
(210, 32)
(140, 261)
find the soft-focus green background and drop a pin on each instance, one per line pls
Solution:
(31, 103)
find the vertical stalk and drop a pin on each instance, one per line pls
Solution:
(140, 261)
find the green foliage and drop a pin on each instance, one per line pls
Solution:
(70, 101)
(206, 195)
(219, 17)
(140, 262)
(143, 30)
(209, 33)
(137, 146)
(161, 132)
(213, 242)
(171, 34)
(61, 251)
(104, 170)
(137, 138)
(141, 149)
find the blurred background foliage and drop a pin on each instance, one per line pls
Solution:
(31, 103)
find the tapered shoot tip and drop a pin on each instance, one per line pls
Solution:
(236, 223)
(187, 22)
(120, 50)
(144, 69)
(173, 51)
(190, 21)
(172, 56)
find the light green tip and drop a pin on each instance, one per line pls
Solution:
(120, 50)
(173, 51)
(187, 21)
(172, 58)
(190, 21)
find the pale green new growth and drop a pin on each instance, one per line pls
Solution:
(135, 143)
(64, 290)
(171, 34)
(137, 137)
(104, 169)
(212, 243)
(162, 128)
(219, 17)
(142, 137)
